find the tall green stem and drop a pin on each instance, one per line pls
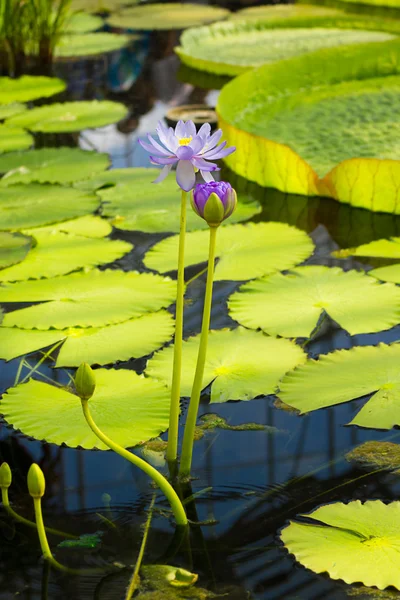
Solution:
(172, 448)
(188, 437)
(44, 544)
(162, 483)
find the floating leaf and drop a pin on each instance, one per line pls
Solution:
(87, 299)
(166, 16)
(375, 455)
(60, 253)
(13, 248)
(89, 44)
(347, 374)
(377, 248)
(70, 116)
(98, 6)
(28, 87)
(87, 226)
(241, 364)
(244, 251)
(355, 542)
(127, 407)
(95, 345)
(383, 3)
(14, 138)
(50, 165)
(82, 22)
(282, 12)
(291, 305)
(8, 110)
(24, 206)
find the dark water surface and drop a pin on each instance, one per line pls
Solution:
(253, 481)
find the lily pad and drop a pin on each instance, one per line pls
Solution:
(82, 22)
(14, 138)
(377, 248)
(383, 3)
(244, 251)
(87, 226)
(354, 542)
(240, 364)
(374, 455)
(13, 248)
(89, 44)
(60, 253)
(282, 11)
(347, 374)
(291, 305)
(98, 6)
(28, 88)
(166, 16)
(95, 345)
(127, 407)
(134, 202)
(50, 165)
(70, 116)
(8, 110)
(24, 206)
(87, 299)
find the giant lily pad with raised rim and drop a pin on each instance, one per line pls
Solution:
(355, 542)
(70, 116)
(166, 16)
(14, 138)
(291, 305)
(24, 206)
(90, 44)
(129, 408)
(244, 251)
(87, 299)
(87, 226)
(95, 345)
(13, 248)
(344, 375)
(29, 87)
(241, 364)
(61, 253)
(51, 165)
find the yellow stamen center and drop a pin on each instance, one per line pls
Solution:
(185, 141)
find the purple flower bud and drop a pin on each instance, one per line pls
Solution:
(214, 201)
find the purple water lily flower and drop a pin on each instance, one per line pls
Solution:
(214, 201)
(192, 150)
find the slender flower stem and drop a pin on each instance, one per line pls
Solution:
(162, 483)
(172, 448)
(44, 544)
(133, 584)
(188, 437)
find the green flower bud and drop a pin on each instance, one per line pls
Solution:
(85, 381)
(5, 476)
(36, 481)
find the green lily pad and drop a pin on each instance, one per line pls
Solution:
(87, 226)
(377, 248)
(82, 22)
(244, 251)
(70, 116)
(14, 138)
(282, 11)
(166, 16)
(60, 253)
(98, 6)
(375, 455)
(354, 542)
(9, 110)
(89, 44)
(291, 305)
(87, 299)
(241, 364)
(13, 248)
(347, 374)
(28, 88)
(134, 202)
(127, 407)
(95, 345)
(50, 165)
(24, 206)
(383, 3)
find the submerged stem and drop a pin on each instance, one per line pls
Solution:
(135, 575)
(188, 438)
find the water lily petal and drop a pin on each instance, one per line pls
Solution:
(163, 174)
(185, 175)
(161, 160)
(219, 152)
(163, 134)
(206, 175)
(214, 139)
(205, 130)
(157, 146)
(197, 144)
(204, 165)
(173, 141)
(211, 151)
(190, 129)
(184, 153)
(180, 130)
(151, 149)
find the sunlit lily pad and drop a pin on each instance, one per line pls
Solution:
(354, 542)
(134, 202)
(241, 364)
(28, 87)
(95, 345)
(82, 22)
(24, 206)
(347, 374)
(98, 6)
(89, 44)
(166, 16)
(14, 138)
(87, 226)
(60, 253)
(382, 3)
(282, 11)
(9, 110)
(244, 251)
(70, 116)
(13, 248)
(291, 305)
(377, 248)
(51, 165)
(129, 408)
(87, 299)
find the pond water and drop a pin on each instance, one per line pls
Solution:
(249, 483)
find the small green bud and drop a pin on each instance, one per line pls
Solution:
(5, 476)
(181, 577)
(36, 481)
(85, 381)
